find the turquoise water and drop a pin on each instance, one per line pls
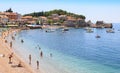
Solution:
(74, 51)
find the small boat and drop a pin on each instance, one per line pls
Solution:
(50, 30)
(34, 26)
(110, 31)
(97, 36)
(65, 29)
(89, 31)
(86, 28)
(103, 26)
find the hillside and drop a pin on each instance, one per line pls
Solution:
(59, 12)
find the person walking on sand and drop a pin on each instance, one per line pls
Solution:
(30, 59)
(13, 38)
(37, 64)
(10, 58)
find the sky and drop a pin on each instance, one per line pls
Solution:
(102, 10)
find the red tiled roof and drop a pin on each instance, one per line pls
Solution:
(3, 16)
(9, 13)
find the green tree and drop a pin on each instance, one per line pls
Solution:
(50, 22)
(9, 10)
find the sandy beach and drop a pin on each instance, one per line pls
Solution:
(5, 51)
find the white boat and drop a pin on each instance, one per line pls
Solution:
(86, 28)
(89, 30)
(34, 26)
(65, 29)
(50, 30)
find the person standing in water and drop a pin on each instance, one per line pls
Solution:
(41, 54)
(11, 44)
(30, 59)
(39, 48)
(22, 41)
(37, 64)
(50, 54)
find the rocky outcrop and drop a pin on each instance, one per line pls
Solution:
(76, 23)
(101, 24)
(82, 23)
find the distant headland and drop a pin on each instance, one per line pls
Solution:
(56, 17)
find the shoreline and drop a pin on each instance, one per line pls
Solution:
(5, 51)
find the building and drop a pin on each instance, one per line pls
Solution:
(63, 17)
(1, 13)
(3, 18)
(19, 16)
(11, 16)
(55, 15)
(42, 20)
(55, 19)
(29, 19)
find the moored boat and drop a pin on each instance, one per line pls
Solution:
(65, 29)
(34, 26)
(50, 30)
(97, 36)
(89, 30)
(110, 31)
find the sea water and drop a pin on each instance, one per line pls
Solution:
(74, 51)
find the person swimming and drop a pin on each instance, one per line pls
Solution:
(22, 41)
(39, 48)
(50, 54)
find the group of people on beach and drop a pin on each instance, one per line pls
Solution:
(4, 34)
(10, 60)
